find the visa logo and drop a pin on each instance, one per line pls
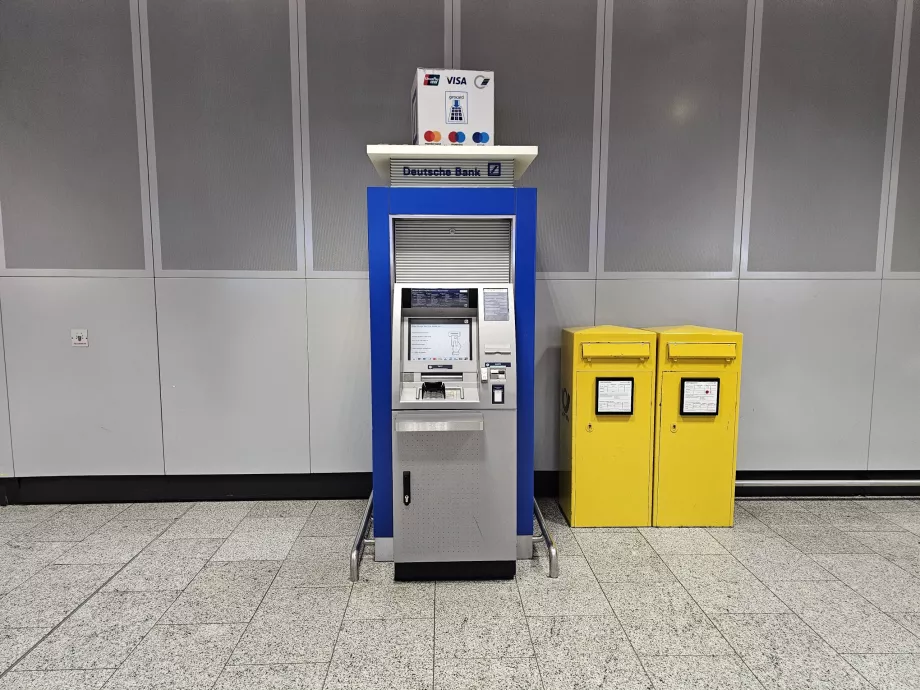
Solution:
(456, 80)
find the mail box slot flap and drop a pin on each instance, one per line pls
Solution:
(702, 350)
(616, 350)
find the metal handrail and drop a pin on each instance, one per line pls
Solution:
(547, 538)
(357, 549)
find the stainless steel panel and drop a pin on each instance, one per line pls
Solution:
(806, 384)
(463, 490)
(645, 303)
(905, 250)
(675, 102)
(361, 57)
(560, 304)
(543, 56)
(895, 435)
(338, 326)
(82, 410)
(233, 365)
(222, 119)
(461, 250)
(70, 188)
(822, 117)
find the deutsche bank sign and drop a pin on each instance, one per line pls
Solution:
(446, 172)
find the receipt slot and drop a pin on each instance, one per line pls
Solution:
(696, 431)
(452, 277)
(606, 426)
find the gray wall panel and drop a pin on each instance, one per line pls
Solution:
(361, 58)
(806, 387)
(82, 410)
(340, 369)
(822, 115)
(543, 55)
(675, 101)
(896, 404)
(222, 114)
(70, 190)
(905, 254)
(233, 361)
(645, 303)
(560, 304)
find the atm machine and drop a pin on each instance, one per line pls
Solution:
(452, 281)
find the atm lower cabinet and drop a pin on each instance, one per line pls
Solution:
(606, 427)
(454, 495)
(696, 430)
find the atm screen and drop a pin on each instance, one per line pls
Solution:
(439, 298)
(439, 339)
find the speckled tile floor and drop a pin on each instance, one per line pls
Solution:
(255, 595)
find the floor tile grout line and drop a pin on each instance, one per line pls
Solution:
(706, 613)
(535, 657)
(70, 548)
(616, 616)
(886, 614)
(249, 622)
(79, 606)
(623, 628)
(77, 543)
(338, 633)
(804, 622)
(157, 622)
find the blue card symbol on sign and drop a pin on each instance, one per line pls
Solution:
(495, 169)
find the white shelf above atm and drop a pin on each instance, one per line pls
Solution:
(380, 155)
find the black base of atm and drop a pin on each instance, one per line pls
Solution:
(455, 570)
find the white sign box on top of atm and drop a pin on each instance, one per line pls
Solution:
(452, 107)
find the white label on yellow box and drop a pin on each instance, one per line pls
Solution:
(699, 396)
(614, 396)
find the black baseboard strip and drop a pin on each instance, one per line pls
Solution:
(357, 485)
(185, 488)
(827, 483)
(455, 570)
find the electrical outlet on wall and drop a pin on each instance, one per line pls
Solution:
(79, 337)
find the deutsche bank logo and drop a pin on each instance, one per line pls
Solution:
(495, 169)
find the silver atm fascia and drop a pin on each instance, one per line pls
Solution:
(493, 353)
(456, 455)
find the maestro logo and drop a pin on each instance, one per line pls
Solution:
(481, 81)
(432, 79)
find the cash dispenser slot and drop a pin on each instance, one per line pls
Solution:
(433, 390)
(437, 387)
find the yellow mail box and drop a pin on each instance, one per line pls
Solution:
(696, 429)
(607, 425)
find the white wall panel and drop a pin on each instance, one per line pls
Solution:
(82, 410)
(560, 304)
(233, 357)
(338, 312)
(644, 303)
(806, 385)
(895, 437)
(6, 449)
